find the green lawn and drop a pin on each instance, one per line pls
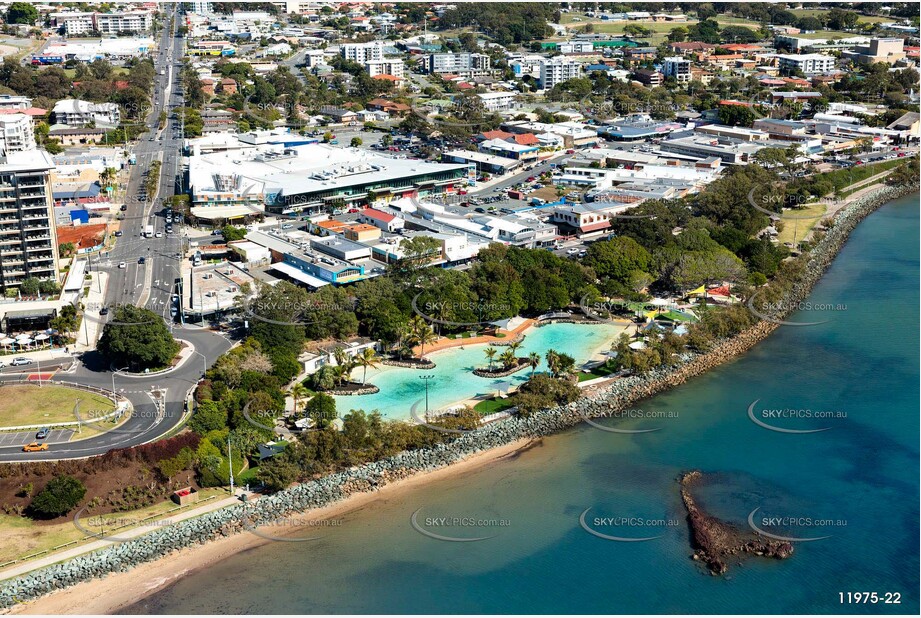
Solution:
(491, 406)
(801, 225)
(598, 372)
(29, 404)
(862, 19)
(24, 537)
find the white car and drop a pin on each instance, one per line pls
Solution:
(123, 264)
(20, 360)
(572, 251)
(159, 234)
(287, 226)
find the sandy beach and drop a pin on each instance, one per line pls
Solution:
(118, 590)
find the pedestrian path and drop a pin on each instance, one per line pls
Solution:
(119, 537)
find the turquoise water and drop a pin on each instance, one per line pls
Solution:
(863, 472)
(453, 378)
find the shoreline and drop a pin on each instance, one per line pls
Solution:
(336, 491)
(118, 590)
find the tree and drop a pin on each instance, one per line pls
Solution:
(209, 416)
(423, 334)
(618, 258)
(508, 359)
(490, 353)
(21, 13)
(298, 392)
(60, 495)
(367, 358)
(321, 408)
(533, 361)
(356, 142)
(137, 338)
(232, 233)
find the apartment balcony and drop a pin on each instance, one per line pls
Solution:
(42, 247)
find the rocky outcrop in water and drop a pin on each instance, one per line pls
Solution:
(716, 541)
(598, 401)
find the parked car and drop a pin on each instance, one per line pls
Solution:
(159, 234)
(20, 360)
(104, 311)
(142, 259)
(31, 447)
(287, 226)
(118, 233)
(123, 264)
(42, 433)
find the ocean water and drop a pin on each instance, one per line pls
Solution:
(453, 380)
(855, 483)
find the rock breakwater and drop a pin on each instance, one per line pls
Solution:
(599, 400)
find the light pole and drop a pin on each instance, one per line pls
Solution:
(230, 464)
(426, 379)
(204, 362)
(113, 377)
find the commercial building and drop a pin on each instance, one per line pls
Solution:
(557, 70)
(649, 77)
(17, 133)
(464, 64)
(497, 101)
(362, 52)
(74, 113)
(677, 67)
(28, 242)
(126, 21)
(13, 102)
(307, 179)
(385, 67)
(83, 23)
(112, 49)
(889, 51)
(807, 64)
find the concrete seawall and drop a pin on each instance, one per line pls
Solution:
(601, 401)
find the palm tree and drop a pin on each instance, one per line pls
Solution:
(534, 361)
(553, 361)
(490, 353)
(367, 358)
(508, 359)
(106, 177)
(425, 335)
(298, 392)
(405, 339)
(513, 346)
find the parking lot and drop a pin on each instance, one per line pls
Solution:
(21, 438)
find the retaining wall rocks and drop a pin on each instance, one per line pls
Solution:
(599, 401)
(408, 365)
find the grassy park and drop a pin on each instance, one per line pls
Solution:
(30, 404)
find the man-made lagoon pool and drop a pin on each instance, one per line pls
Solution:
(453, 379)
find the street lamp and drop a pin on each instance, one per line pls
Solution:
(113, 377)
(204, 362)
(426, 380)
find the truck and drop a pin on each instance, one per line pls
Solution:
(516, 195)
(149, 231)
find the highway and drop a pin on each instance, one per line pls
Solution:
(150, 284)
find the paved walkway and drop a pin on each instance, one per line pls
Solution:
(444, 343)
(31, 565)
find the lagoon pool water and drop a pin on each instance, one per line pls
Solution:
(454, 381)
(862, 472)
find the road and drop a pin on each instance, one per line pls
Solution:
(150, 284)
(147, 423)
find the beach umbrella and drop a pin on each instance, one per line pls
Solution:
(41, 337)
(8, 341)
